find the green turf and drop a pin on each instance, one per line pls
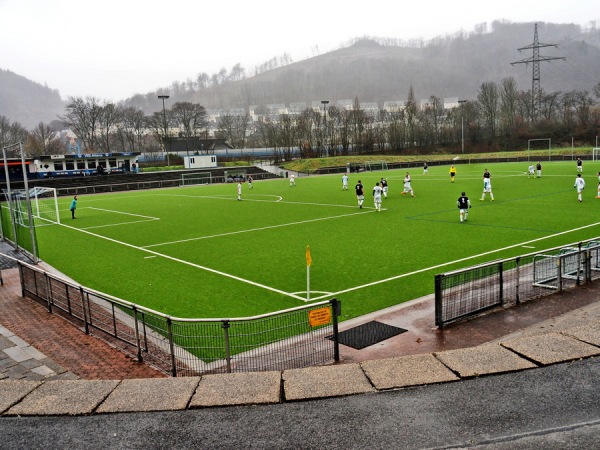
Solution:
(198, 252)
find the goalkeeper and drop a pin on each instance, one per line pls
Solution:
(73, 207)
(464, 204)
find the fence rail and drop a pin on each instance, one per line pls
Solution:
(281, 340)
(471, 291)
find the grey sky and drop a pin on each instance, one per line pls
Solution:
(115, 48)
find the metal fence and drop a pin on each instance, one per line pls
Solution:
(293, 338)
(471, 291)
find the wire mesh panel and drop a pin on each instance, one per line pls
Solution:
(470, 291)
(182, 347)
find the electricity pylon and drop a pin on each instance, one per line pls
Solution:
(536, 90)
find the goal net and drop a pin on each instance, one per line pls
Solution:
(44, 206)
(596, 153)
(190, 179)
(376, 165)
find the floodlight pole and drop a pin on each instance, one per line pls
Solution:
(163, 98)
(462, 125)
(28, 203)
(9, 197)
(324, 103)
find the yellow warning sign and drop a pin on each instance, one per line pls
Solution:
(321, 316)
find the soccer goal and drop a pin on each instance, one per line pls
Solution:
(376, 165)
(596, 153)
(44, 205)
(191, 179)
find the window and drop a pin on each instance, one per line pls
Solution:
(81, 165)
(70, 165)
(58, 166)
(92, 164)
(112, 162)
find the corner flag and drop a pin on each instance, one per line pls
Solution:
(308, 257)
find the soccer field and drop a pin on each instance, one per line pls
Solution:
(198, 252)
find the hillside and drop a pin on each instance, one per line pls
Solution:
(27, 102)
(450, 66)
(371, 70)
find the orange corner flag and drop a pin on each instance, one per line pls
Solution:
(308, 257)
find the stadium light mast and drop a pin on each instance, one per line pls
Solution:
(324, 103)
(462, 125)
(163, 98)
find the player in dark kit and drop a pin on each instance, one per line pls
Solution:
(360, 193)
(464, 204)
(384, 186)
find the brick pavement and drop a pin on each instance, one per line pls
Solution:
(65, 349)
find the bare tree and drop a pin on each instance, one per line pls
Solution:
(110, 116)
(83, 116)
(43, 141)
(190, 118)
(488, 102)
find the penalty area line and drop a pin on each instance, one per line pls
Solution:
(187, 263)
(231, 233)
(491, 252)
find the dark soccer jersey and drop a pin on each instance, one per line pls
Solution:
(538, 166)
(486, 174)
(359, 189)
(383, 183)
(463, 202)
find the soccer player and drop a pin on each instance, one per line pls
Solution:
(598, 196)
(73, 207)
(360, 193)
(292, 180)
(239, 190)
(538, 167)
(530, 171)
(345, 182)
(407, 187)
(579, 185)
(487, 185)
(464, 204)
(249, 181)
(384, 187)
(425, 168)
(377, 190)
(579, 165)
(452, 173)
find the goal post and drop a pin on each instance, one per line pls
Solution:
(192, 179)
(376, 165)
(529, 141)
(596, 153)
(43, 202)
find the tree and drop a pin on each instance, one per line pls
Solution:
(83, 116)
(488, 103)
(190, 118)
(12, 134)
(43, 141)
(131, 128)
(109, 117)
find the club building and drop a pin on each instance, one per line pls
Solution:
(50, 166)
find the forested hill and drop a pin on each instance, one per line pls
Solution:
(374, 70)
(27, 102)
(370, 69)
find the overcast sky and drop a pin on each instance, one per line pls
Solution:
(112, 49)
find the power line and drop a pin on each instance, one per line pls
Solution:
(536, 89)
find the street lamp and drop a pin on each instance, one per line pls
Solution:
(163, 98)
(462, 125)
(324, 103)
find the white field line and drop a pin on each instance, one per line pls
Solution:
(451, 262)
(144, 218)
(198, 266)
(278, 198)
(256, 229)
